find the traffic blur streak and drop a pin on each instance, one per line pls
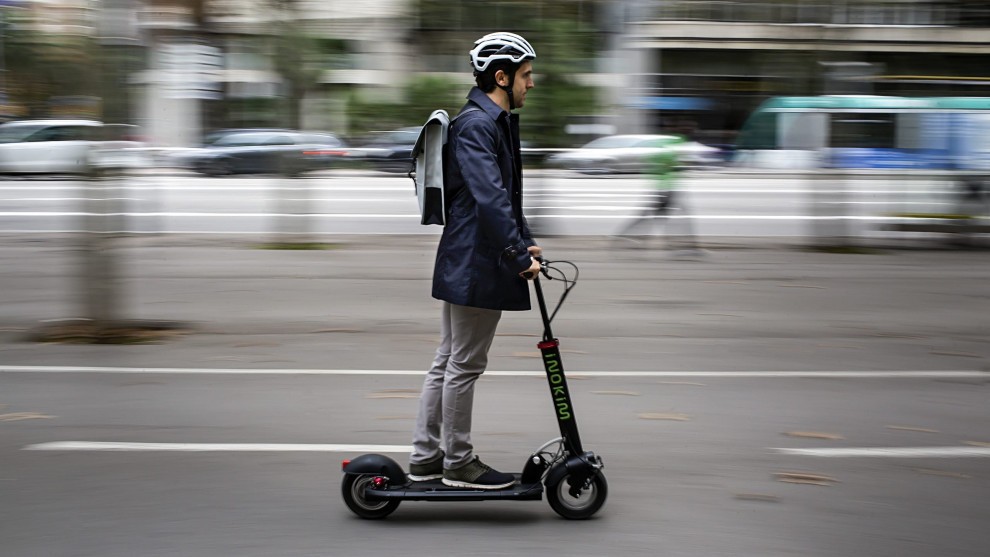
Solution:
(837, 206)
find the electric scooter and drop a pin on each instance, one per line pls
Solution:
(374, 484)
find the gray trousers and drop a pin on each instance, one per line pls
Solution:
(445, 405)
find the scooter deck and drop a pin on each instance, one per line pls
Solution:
(435, 490)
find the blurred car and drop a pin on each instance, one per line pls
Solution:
(389, 151)
(263, 151)
(65, 146)
(617, 154)
(533, 156)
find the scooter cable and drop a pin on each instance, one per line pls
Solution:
(554, 273)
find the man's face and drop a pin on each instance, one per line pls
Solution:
(522, 83)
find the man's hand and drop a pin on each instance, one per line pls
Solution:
(533, 271)
(535, 251)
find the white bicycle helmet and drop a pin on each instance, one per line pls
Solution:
(500, 46)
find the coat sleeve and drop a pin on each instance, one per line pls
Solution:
(475, 151)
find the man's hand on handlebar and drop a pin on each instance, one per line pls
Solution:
(533, 271)
(536, 252)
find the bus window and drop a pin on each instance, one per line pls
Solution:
(863, 131)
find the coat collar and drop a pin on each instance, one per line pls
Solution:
(478, 97)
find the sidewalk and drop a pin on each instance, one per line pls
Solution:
(365, 304)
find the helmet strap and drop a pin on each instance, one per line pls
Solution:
(508, 89)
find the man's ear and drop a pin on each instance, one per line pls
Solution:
(501, 76)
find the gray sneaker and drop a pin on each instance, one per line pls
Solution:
(477, 475)
(432, 470)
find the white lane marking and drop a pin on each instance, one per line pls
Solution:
(227, 188)
(336, 200)
(205, 214)
(213, 232)
(215, 447)
(42, 199)
(891, 452)
(902, 374)
(622, 209)
(531, 190)
(714, 217)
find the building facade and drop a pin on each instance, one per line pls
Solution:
(190, 66)
(716, 61)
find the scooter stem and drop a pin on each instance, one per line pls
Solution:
(547, 332)
(557, 380)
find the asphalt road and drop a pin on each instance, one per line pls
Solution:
(694, 467)
(697, 380)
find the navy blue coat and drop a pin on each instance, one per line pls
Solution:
(483, 246)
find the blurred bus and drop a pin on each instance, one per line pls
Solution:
(866, 131)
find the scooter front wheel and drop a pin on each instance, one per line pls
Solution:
(353, 487)
(577, 503)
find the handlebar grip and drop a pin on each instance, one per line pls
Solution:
(543, 267)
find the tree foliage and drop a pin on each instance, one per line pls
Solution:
(565, 49)
(566, 42)
(40, 67)
(422, 95)
(297, 57)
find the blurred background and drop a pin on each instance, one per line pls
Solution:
(180, 69)
(859, 118)
(833, 121)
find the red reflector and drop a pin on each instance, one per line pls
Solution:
(548, 344)
(345, 464)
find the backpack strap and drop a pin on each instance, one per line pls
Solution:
(467, 110)
(473, 108)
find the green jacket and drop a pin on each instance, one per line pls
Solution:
(665, 165)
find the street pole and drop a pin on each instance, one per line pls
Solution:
(103, 188)
(3, 59)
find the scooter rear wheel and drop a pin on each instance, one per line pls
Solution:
(352, 488)
(586, 504)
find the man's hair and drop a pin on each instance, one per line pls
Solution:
(486, 79)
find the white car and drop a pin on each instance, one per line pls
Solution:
(615, 154)
(60, 146)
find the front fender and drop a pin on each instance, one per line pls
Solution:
(579, 468)
(376, 464)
